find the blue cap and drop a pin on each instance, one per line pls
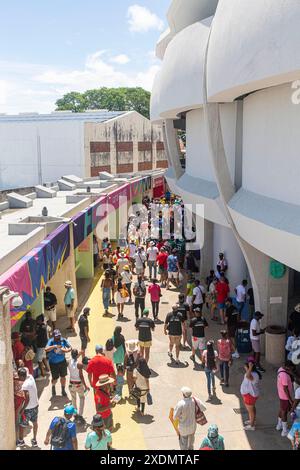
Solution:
(99, 347)
(70, 410)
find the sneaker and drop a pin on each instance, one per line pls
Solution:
(284, 433)
(20, 443)
(193, 359)
(177, 362)
(170, 355)
(279, 427)
(222, 382)
(209, 398)
(64, 393)
(34, 443)
(248, 427)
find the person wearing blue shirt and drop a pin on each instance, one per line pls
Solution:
(294, 434)
(56, 350)
(173, 269)
(71, 442)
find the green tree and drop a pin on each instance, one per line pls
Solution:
(73, 101)
(113, 99)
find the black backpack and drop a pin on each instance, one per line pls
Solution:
(60, 434)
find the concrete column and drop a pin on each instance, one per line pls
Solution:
(207, 262)
(135, 156)
(225, 241)
(154, 156)
(113, 156)
(173, 149)
(7, 417)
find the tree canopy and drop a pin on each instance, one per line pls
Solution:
(113, 99)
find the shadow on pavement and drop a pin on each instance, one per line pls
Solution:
(138, 418)
(181, 365)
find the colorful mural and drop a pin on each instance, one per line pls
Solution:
(32, 273)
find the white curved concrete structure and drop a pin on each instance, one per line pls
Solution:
(227, 81)
(254, 44)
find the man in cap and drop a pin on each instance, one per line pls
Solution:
(162, 260)
(31, 406)
(99, 365)
(83, 324)
(185, 413)
(103, 402)
(127, 280)
(41, 341)
(152, 254)
(255, 332)
(173, 328)
(57, 348)
(184, 309)
(122, 262)
(198, 326)
(132, 251)
(222, 265)
(145, 326)
(50, 302)
(100, 438)
(140, 260)
(56, 436)
(69, 300)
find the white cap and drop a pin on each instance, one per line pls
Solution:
(187, 392)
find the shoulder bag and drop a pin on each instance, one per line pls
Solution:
(199, 415)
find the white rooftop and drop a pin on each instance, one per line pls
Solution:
(89, 116)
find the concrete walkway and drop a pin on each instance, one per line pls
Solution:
(154, 431)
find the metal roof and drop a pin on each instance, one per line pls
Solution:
(94, 116)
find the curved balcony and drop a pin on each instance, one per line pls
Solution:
(181, 15)
(254, 44)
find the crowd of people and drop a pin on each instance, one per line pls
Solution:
(146, 268)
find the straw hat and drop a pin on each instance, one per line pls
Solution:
(126, 268)
(104, 379)
(68, 284)
(132, 346)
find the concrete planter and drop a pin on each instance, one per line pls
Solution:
(275, 345)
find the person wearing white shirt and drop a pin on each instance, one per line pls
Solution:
(198, 296)
(127, 279)
(152, 253)
(241, 294)
(255, 332)
(185, 413)
(31, 406)
(132, 251)
(140, 260)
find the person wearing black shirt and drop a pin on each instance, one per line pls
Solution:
(50, 302)
(145, 326)
(83, 324)
(184, 309)
(294, 320)
(198, 325)
(139, 292)
(27, 329)
(173, 328)
(232, 319)
(41, 341)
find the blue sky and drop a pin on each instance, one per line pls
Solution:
(50, 47)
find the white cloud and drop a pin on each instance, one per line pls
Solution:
(121, 59)
(34, 87)
(142, 20)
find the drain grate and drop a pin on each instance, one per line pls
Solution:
(240, 411)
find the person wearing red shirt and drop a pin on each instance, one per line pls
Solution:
(223, 290)
(19, 352)
(155, 295)
(99, 365)
(162, 260)
(103, 401)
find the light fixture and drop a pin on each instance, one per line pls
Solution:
(7, 295)
(17, 301)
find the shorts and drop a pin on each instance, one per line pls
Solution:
(198, 306)
(29, 416)
(40, 354)
(231, 331)
(250, 400)
(189, 300)
(222, 305)
(198, 343)
(175, 340)
(50, 314)
(172, 275)
(145, 344)
(285, 406)
(84, 343)
(69, 312)
(255, 346)
(139, 270)
(59, 370)
(162, 270)
(109, 423)
(120, 299)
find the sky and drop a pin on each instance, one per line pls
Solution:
(51, 47)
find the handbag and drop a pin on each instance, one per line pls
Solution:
(149, 399)
(30, 355)
(199, 415)
(124, 293)
(136, 392)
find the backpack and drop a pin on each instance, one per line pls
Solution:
(60, 434)
(224, 348)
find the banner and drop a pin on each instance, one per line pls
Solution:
(140, 186)
(32, 273)
(114, 197)
(86, 221)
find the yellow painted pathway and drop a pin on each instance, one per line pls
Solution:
(130, 435)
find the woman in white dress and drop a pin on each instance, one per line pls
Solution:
(141, 377)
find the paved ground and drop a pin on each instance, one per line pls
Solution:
(154, 431)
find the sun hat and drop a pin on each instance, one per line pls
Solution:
(97, 421)
(104, 379)
(186, 391)
(70, 410)
(132, 345)
(68, 284)
(152, 243)
(126, 268)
